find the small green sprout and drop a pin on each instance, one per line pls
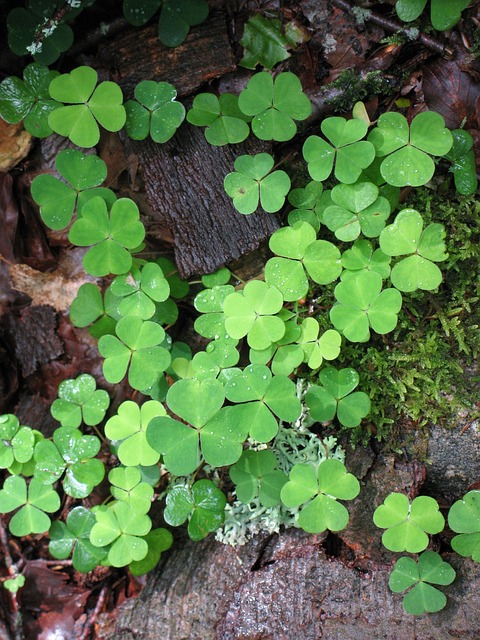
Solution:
(127, 486)
(444, 14)
(90, 308)
(275, 104)
(430, 569)
(464, 519)
(33, 503)
(86, 105)
(79, 401)
(362, 256)
(257, 474)
(464, 167)
(408, 149)
(318, 347)
(158, 540)
(407, 524)
(347, 150)
(254, 180)
(334, 396)
(16, 442)
(14, 584)
(264, 42)
(58, 200)
(154, 111)
(407, 236)
(319, 490)
(203, 505)
(308, 203)
(140, 290)
(224, 122)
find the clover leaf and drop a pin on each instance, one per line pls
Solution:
(79, 401)
(73, 452)
(203, 505)
(408, 149)
(407, 236)
(362, 256)
(16, 442)
(36, 500)
(464, 168)
(253, 313)
(224, 122)
(140, 290)
(14, 584)
(129, 427)
(319, 490)
(264, 42)
(89, 308)
(113, 235)
(318, 347)
(443, 14)
(464, 519)
(254, 180)
(362, 304)
(158, 540)
(74, 535)
(274, 104)
(154, 111)
(357, 209)
(120, 526)
(127, 486)
(58, 200)
(407, 524)
(259, 397)
(347, 150)
(210, 303)
(87, 105)
(28, 99)
(299, 250)
(256, 474)
(308, 204)
(430, 569)
(334, 396)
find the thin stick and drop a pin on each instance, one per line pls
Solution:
(16, 615)
(94, 615)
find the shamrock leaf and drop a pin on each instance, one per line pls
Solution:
(357, 209)
(127, 486)
(14, 584)
(407, 236)
(253, 181)
(362, 304)
(225, 123)
(79, 401)
(113, 235)
(35, 501)
(274, 104)
(16, 442)
(28, 99)
(140, 290)
(203, 505)
(408, 149)
(407, 524)
(154, 111)
(362, 256)
(317, 347)
(87, 104)
(74, 536)
(319, 490)
(58, 200)
(120, 526)
(349, 155)
(256, 474)
(89, 308)
(176, 18)
(335, 396)
(430, 569)
(308, 205)
(264, 42)
(463, 162)
(210, 303)
(299, 250)
(158, 540)
(129, 427)
(464, 519)
(444, 15)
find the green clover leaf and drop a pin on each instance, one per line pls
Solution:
(158, 540)
(113, 235)
(154, 111)
(407, 236)
(320, 489)
(203, 505)
(362, 256)
(127, 486)
(176, 18)
(129, 427)
(362, 304)
(349, 155)
(335, 396)
(224, 122)
(358, 209)
(407, 524)
(14, 584)
(87, 105)
(210, 303)
(256, 474)
(89, 308)
(28, 99)
(35, 501)
(308, 205)
(140, 290)
(408, 149)
(444, 15)
(464, 168)
(16, 442)
(275, 105)
(58, 200)
(252, 181)
(74, 536)
(120, 526)
(317, 347)
(430, 569)
(464, 519)
(79, 401)
(263, 42)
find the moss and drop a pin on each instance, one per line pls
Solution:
(352, 87)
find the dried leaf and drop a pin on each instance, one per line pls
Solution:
(15, 144)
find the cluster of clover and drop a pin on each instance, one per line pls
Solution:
(252, 420)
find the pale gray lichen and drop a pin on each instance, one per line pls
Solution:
(361, 15)
(412, 33)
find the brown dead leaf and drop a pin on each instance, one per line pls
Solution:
(15, 144)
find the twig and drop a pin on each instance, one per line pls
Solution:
(16, 616)
(94, 615)
(394, 27)
(47, 27)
